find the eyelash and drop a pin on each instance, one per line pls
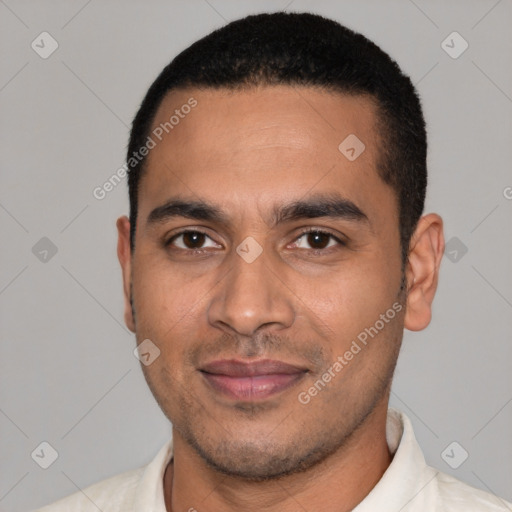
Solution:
(305, 231)
(184, 232)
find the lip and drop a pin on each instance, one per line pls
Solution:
(251, 381)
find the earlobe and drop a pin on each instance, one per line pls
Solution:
(422, 271)
(125, 259)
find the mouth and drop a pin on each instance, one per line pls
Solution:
(251, 381)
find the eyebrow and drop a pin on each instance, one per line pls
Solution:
(332, 206)
(196, 210)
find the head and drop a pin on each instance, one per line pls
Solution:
(256, 232)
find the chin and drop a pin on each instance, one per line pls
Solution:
(257, 463)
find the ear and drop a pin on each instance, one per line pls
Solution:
(422, 272)
(124, 254)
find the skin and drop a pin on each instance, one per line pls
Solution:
(303, 300)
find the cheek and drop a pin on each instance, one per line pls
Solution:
(350, 300)
(165, 301)
(166, 314)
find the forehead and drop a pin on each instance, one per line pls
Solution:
(296, 117)
(264, 142)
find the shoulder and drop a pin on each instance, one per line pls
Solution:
(457, 496)
(110, 495)
(138, 489)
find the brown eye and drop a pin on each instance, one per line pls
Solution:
(318, 240)
(192, 240)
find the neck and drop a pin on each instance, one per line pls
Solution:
(337, 484)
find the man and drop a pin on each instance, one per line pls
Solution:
(275, 251)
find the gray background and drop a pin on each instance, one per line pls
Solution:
(68, 373)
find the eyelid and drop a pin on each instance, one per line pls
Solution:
(342, 240)
(170, 239)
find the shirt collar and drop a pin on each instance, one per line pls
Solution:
(408, 484)
(150, 490)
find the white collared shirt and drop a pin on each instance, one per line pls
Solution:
(408, 485)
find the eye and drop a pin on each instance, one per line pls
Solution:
(317, 240)
(192, 240)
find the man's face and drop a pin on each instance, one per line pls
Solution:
(251, 286)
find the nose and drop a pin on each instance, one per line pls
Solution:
(249, 297)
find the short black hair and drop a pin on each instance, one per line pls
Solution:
(303, 49)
